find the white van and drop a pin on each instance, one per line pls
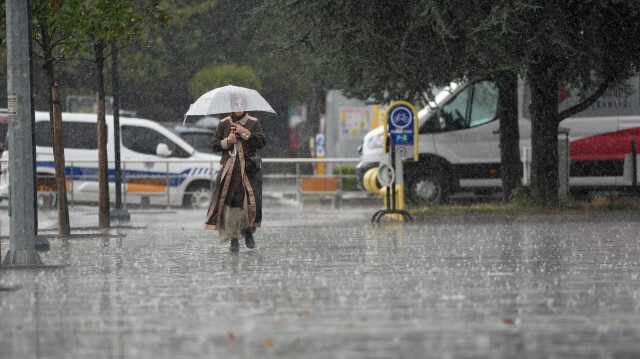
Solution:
(158, 167)
(459, 141)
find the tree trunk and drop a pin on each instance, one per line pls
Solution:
(64, 228)
(509, 134)
(104, 216)
(316, 106)
(544, 133)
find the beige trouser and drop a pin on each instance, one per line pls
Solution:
(233, 221)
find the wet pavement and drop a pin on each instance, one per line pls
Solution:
(325, 283)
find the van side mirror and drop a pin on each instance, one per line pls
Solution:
(163, 150)
(434, 124)
(442, 122)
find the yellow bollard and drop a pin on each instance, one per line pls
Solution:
(370, 182)
(399, 201)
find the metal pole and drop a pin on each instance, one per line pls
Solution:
(393, 165)
(119, 213)
(634, 165)
(71, 186)
(23, 221)
(298, 193)
(125, 184)
(167, 184)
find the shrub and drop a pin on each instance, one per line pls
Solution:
(348, 177)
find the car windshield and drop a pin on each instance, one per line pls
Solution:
(201, 141)
(198, 137)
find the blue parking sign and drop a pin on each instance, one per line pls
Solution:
(401, 123)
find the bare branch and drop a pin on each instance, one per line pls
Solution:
(588, 101)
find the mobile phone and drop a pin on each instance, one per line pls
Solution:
(234, 129)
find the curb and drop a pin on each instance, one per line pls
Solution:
(540, 218)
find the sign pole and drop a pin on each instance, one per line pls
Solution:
(401, 142)
(119, 213)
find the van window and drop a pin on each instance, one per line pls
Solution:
(454, 113)
(475, 105)
(146, 140)
(77, 135)
(484, 107)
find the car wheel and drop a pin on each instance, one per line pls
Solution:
(198, 196)
(426, 190)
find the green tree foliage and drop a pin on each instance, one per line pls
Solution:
(54, 29)
(3, 23)
(217, 76)
(156, 67)
(157, 70)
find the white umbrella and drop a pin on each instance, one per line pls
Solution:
(228, 99)
(208, 122)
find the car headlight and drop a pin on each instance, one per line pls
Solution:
(375, 142)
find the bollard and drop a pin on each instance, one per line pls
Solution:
(370, 182)
(634, 165)
(631, 167)
(399, 202)
(564, 162)
(394, 194)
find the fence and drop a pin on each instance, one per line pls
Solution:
(160, 182)
(309, 184)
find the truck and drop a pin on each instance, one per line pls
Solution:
(459, 149)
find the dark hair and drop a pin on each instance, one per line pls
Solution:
(236, 97)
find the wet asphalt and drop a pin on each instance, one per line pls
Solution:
(326, 283)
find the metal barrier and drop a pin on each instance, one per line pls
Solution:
(144, 182)
(298, 188)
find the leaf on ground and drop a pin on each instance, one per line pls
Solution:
(269, 344)
(230, 336)
(511, 321)
(508, 321)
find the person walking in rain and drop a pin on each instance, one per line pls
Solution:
(236, 205)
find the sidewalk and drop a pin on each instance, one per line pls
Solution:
(325, 283)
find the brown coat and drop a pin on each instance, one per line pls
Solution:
(234, 186)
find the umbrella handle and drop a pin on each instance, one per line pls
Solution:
(235, 151)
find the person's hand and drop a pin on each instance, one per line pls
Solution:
(231, 139)
(238, 128)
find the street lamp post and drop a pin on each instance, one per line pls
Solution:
(23, 226)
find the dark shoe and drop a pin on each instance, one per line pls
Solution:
(248, 238)
(235, 245)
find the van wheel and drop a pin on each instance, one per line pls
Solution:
(426, 190)
(198, 196)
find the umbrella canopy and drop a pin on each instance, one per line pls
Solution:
(208, 122)
(229, 99)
